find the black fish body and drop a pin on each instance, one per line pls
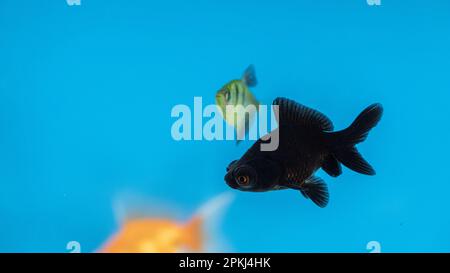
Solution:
(306, 143)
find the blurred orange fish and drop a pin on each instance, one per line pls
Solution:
(156, 235)
(160, 235)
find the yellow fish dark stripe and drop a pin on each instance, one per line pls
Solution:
(237, 93)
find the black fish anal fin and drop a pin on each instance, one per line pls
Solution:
(291, 112)
(332, 166)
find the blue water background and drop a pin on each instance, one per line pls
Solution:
(86, 93)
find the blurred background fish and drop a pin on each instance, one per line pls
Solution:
(237, 93)
(159, 234)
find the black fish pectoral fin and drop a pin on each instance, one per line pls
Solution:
(316, 190)
(313, 188)
(277, 188)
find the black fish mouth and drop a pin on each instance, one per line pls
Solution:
(229, 179)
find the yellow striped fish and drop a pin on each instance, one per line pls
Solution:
(237, 93)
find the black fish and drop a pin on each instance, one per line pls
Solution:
(306, 143)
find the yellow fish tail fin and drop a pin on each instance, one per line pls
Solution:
(249, 77)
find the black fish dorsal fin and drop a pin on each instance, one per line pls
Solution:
(292, 112)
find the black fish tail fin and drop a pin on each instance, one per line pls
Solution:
(314, 188)
(342, 143)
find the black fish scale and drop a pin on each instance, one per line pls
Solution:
(300, 153)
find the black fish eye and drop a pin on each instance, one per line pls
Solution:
(243, 180)
(244, 176)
